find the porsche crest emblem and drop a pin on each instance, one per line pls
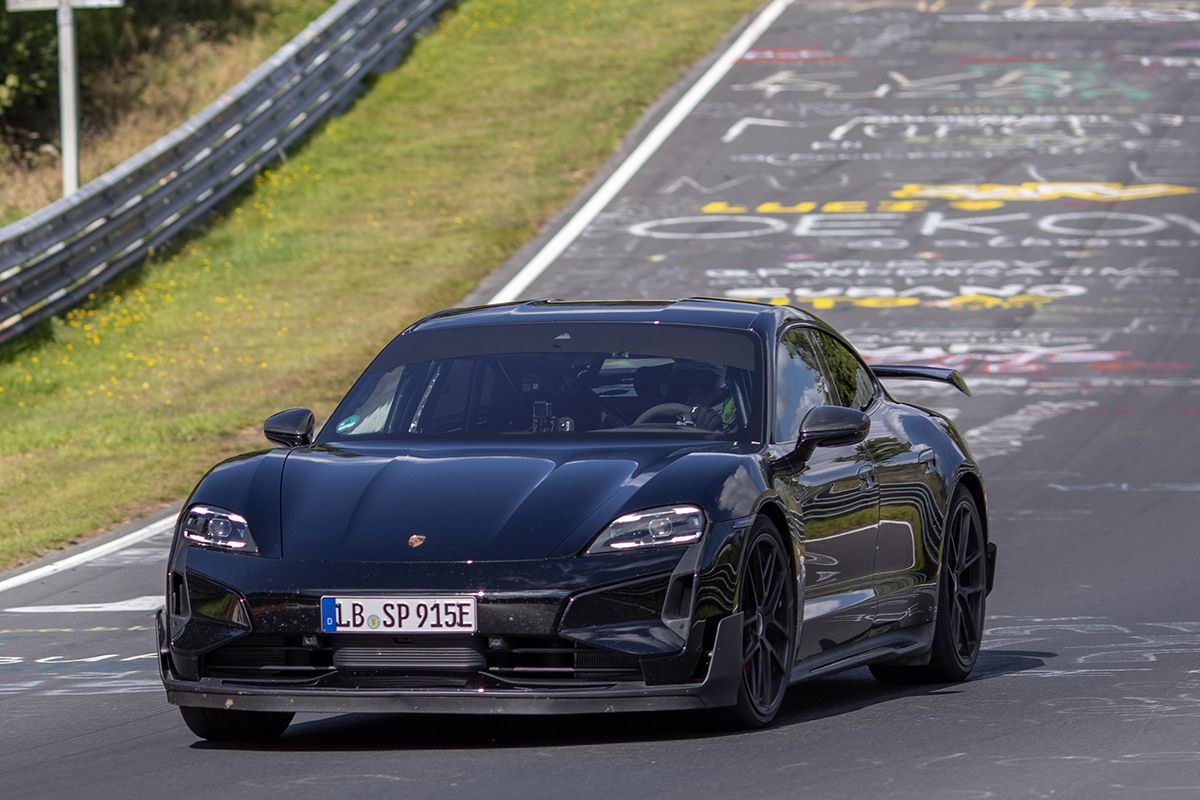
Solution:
(416, 540)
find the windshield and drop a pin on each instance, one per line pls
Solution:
(557, 381)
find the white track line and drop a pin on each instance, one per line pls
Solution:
(154, 528)
(637, 159)
(521, 281)
(146, 602)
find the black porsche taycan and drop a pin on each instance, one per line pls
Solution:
(581, 507)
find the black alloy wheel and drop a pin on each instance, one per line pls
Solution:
(962, 596)
(768, 606)
(967, 568)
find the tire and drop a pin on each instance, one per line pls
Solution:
(962, 599)
(768, 601)
(228, 725)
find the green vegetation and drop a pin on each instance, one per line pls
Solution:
(144, 69)
(108, 38)
(440, 172)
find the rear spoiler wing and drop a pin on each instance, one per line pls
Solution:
(912, 372)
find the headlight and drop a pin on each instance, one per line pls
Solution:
(216, 527)
(656, 527)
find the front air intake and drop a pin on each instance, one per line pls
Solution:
(430, 654)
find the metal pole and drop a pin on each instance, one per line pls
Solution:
(68, 97)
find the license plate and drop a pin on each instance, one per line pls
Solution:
(398, 614)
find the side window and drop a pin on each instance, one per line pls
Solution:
(799, 383)
(851, 378)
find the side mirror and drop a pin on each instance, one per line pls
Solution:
(830, 426)
(291, 428)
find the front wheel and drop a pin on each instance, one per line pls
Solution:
(231, 725)
(962, 595)
(768, 606)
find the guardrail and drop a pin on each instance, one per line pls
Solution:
(53, 258)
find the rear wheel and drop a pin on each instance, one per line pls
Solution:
(962, 595)
(230, 725)
(768, 606)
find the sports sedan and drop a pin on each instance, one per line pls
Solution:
(570, 507)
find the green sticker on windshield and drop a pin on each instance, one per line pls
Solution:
(347, 424)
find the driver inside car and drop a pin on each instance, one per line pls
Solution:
(700, 388)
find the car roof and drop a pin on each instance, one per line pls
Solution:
(708, 311)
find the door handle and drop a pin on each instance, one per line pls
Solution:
(866, 476)
(929, 459)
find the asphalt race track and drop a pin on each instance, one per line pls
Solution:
(1008, 188)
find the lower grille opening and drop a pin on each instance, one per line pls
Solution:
(544, 660)
(440, 653)
(383, 680)
(265, 656)
(430, 661)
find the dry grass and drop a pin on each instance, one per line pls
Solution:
(149, 97)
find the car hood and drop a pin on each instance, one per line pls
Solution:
(375, 503)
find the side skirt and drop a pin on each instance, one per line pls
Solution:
(908, 645)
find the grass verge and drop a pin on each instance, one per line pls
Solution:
(440, 172)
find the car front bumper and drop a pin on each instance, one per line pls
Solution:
(716, 688)
(583, 635)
